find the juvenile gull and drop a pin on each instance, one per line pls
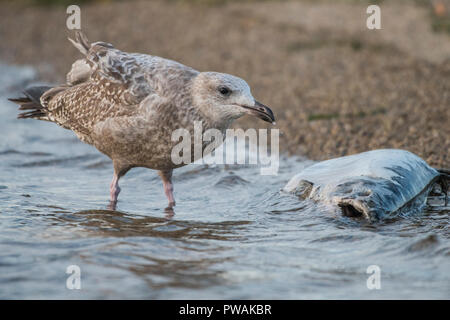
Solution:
(128, 104)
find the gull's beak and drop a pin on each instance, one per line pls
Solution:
(261, 111)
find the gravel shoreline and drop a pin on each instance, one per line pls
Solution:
(335, 87)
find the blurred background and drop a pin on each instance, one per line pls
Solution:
(335, 86)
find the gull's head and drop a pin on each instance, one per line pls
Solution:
(223, 97)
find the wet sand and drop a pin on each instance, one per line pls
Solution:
(336, 87)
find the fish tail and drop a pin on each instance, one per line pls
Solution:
(444, 181)
(443, 171)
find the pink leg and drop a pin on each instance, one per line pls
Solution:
(168, 190)
(114, 191)
(166, 177)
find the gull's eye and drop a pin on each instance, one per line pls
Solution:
(224, 91)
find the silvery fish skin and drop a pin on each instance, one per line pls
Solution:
(373, 184)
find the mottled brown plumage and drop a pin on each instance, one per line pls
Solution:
(127, 105)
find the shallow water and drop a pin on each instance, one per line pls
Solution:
(232, 235)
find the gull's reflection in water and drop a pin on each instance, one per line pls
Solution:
(120, 224)
(169, 211)
(158, 251)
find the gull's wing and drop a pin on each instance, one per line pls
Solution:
(109, 83)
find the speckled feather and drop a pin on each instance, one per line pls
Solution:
(128, 105)
(125, 104)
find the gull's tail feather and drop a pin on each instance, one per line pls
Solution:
(81, 42)
(32, 103)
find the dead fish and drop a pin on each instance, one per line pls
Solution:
(374, 184)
